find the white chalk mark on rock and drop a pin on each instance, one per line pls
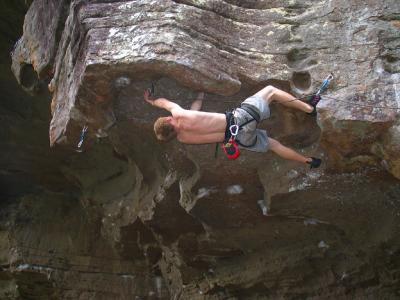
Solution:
(234, 189)
(323, 245)
(263, 206)
(205, 192)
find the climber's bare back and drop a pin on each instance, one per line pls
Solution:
(198, 127)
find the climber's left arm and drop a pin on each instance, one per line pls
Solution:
(197, 104)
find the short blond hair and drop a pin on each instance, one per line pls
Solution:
(164, 130)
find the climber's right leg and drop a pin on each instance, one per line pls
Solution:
(290, 154)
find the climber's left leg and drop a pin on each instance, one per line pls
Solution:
(271, 93)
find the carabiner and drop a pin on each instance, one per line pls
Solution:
(82, 137)
(234, 129)
(325, 84)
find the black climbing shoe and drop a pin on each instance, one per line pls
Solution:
(315, 163)
(313, 101)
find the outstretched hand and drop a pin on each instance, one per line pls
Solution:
(147, 96)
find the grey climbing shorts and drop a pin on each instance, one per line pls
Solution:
(249, 135)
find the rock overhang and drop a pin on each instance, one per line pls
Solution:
(110, 49)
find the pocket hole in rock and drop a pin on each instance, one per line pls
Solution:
(301, 80)
(29, 77)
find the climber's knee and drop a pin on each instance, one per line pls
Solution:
(267, 93)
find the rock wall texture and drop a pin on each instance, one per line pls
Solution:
(129, 218)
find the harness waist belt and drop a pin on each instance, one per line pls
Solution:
(229, 122)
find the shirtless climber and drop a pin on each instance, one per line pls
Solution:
(197, 127)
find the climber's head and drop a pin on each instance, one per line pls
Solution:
(164, 129)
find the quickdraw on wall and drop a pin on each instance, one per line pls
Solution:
(315, 98)
(82, 138)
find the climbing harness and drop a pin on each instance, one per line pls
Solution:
(82, 138)
(230, 143)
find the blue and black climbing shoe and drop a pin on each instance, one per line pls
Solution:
(315, 163)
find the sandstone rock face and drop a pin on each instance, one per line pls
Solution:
(107, 49)
(130, 218)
